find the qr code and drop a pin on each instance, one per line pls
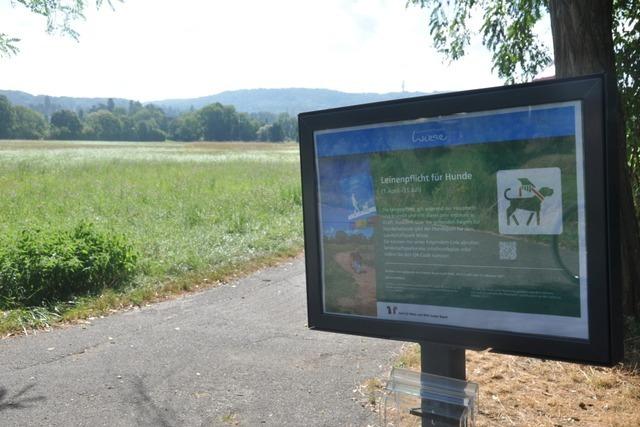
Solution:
(508, 251)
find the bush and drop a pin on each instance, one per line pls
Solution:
(46, 266)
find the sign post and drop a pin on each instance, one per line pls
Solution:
(445, 361)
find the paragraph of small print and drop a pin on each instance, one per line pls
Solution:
(508, 251)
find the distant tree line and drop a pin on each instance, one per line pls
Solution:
(106, 122)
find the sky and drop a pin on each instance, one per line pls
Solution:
(164, 49)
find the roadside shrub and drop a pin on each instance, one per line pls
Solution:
(45, 266)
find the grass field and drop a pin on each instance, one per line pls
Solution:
(199, 210)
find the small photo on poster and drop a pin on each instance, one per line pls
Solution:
(360, 188)
(348, 219)
(530, 201)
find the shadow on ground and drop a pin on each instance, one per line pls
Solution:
(19, 400)
(149, 412)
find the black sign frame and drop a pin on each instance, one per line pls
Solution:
(604, 345)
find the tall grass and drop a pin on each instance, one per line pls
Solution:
(186, 208)
(40, 267)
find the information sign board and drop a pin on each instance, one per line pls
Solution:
(477, 219)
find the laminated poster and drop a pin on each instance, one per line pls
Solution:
(472, 220)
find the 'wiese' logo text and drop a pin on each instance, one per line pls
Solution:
(426, 136)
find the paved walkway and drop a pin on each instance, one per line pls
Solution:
(240, 354)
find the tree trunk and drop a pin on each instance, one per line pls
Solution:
(583, 44)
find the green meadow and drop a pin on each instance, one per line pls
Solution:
(191, 211)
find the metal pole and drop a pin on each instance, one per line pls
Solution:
(443, 360)
(446, 361)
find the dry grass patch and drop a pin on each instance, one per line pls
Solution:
(525, 391)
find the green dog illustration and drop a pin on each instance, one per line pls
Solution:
(531, 204)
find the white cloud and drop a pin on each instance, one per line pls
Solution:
(154, 49)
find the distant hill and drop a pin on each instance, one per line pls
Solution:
(61, 102)
(292, 101)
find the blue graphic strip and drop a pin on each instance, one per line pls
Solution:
(459, 130)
